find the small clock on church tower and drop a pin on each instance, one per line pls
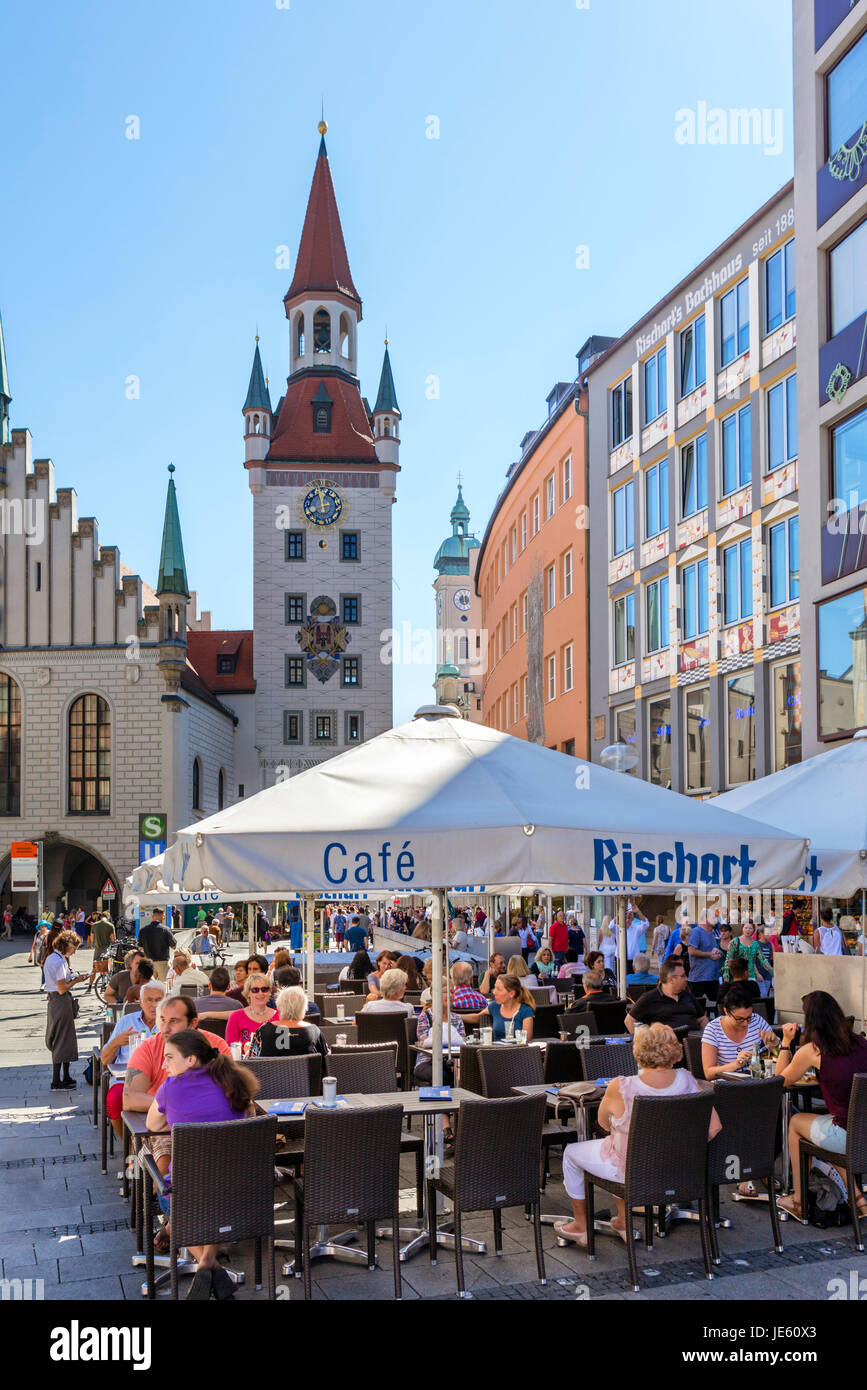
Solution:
(462, 600)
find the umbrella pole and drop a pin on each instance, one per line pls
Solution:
(621, 947)
(436, 988)
(863, 968)
(309, 944)
(251, 927)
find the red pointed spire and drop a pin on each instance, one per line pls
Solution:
(322, 264)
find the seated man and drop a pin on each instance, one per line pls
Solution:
(118, 983)
(116, 1050)
(641, 974)
(203, 946)
(145, 1071)
(670, 1003)
(739, 970)
(570, 966)
(465, 998)
(145, 970)
(216, 1003)
(183, 972)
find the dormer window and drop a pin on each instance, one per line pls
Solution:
(322, 411)
(226, 665)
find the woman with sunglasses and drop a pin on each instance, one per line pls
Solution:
(258, 1009)
(727, 1042)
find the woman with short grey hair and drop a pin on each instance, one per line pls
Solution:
(392, 988)
(288, 1034)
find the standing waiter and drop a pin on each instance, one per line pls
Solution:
(156, 941)
(60, 1036)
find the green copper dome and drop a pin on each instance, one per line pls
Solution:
(453, 556)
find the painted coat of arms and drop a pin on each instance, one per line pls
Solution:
(322, 638)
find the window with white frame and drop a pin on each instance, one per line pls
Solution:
(736, 449)
(514, 623)
(514, 539)
(551, 678)
(550, 497)
(780, 286)
(693, 359)
(624, 628)
(693, 476)
(655, 386)
(784, 576)
(550, 587)
(567, 478)
(694, 580)
(523, 530)
(621, 412)
(622, 510)
(657, 614)
(656, 498)
(567, 573)
(734, 323)
(737, 576)
(535, 505)
(515, 703)
(568, 674)
(525, 603)
(782, 423)
(525, 692)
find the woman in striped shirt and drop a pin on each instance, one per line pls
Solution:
(727, 1042)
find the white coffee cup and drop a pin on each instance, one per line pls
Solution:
(235, 1049)
(329, 1092)
(487, 1036)
(341, 1015)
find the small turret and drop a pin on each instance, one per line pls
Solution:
(173, 593)
(257, 413)
(386, 415)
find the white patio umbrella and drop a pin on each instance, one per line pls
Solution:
(825, 800)
(439, 801)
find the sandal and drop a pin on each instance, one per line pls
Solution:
(161, 1242)
(576, 1237)
(746, 1189)
(791, 1208)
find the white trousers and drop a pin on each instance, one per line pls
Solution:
(579, 1159)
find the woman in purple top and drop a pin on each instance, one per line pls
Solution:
(838, 1054)
(202, 1085)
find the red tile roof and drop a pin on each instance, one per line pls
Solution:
(322, 262)
(350, 439)
(203, 648)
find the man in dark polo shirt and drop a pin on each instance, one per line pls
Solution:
(671, 1002)
(155, 940)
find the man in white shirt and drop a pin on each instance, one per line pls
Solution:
(636, 938)
(183, 972)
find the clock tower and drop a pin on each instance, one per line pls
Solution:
(461, 648)
(323, 475)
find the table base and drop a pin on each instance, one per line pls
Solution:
(334, 1246)
(417, 1238)
(185, 1265)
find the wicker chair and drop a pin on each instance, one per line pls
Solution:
(327, 1004)
(387, 1027)
(504, 1068)
(351, 1172)
(545, 1021)
(692, 1052)
(562, 1062)
(666, 1161)
(855, 1159)
(205, 1212)
(635, 992)
(217, 1025)
(354, 986)
(370, 1071)
(750, 1116)
(610, 1013)
(571, 1022)
(488, 1174)
(284, 1078)
(607, 1059)
(388, 1049)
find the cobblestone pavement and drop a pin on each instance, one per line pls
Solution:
(63, 1222)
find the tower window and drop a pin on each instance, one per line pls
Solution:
(291, 726)
(226, 665)
(197, 784)
(295, 608)
(351, 608)
(323, 728)
(295, 670)
(322, 331)
(221, 789)
(344, 335)
(322, 420)
(351, 674)
(294, 545)
(354, 728)
(299, 336)
(350, 545)
(10, 747)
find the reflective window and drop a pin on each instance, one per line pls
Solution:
(848, 265)
(780, 287)
(734, 323)
(786, 696)
(782, 423)
(843, 663)
(659, 741)
(736, 438)
(741, 732)
(693, 476)
(847, 96)
(693, 359)
(697, 716)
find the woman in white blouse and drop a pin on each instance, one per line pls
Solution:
(60, 1036)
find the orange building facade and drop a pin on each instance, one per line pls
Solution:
(531, 578)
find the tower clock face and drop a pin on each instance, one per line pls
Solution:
(323, 505)
(462, 600)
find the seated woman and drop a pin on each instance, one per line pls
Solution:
(282, 957)
(392, 988)
(288, 1033)
(415, 981)
(517, 968)
(728, 1041)
(511, 1003)
(243, 1023)
(201, 1085)
(384, 961)
(837, 1053)
(657, 1052)
(454, 1035)
(240, 973)
(570, 966)
(543, 966)
(358, 968)
(427, 976)
(594, 962)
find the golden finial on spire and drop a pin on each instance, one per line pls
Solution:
(322, 127)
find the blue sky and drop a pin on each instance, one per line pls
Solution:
(156, 257)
